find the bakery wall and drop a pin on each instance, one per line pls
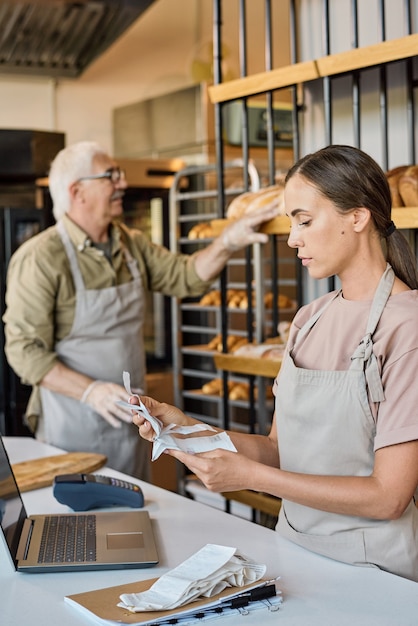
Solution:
(157, 55)
(370, 32)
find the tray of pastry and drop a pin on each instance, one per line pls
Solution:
(263, 359)
(268, 368)
(237, 390)
(237, 299)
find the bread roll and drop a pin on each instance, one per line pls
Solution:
(206, 232)
(213, 387)
(241, 341)
(213, 343)
(408, 186)
(195, 231)
(239, 391)
(234, 297)
(212, 298)
(283, 301)
(231, 341)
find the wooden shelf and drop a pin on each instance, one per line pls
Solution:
(369, 56)
(404, 218)
(247, 365)
(263, 81)
(298, 73)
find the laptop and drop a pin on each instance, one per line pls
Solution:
(83, 541)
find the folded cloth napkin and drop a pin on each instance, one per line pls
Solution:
(206, 573)
(165, 436)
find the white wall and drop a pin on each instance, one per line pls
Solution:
(152, 58)
(312, 47)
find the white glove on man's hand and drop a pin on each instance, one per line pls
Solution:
(243, 232)
(102, 398)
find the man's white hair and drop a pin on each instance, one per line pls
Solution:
(70, 164)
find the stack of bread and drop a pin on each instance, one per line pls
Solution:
(403, 183)
(272, 348)
(243, 204)
(251, 201)
(233, 342)
(236, 390)
(238, 299)
(203, 230)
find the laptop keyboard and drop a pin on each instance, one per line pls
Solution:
(68, 539)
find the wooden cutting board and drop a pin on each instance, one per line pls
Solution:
(41, 472)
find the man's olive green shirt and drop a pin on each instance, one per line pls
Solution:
(40, 295)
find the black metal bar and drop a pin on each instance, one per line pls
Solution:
(327, 80)
(410, 93)
(356, 79)
(327, 96)
(271, 156)
(383, 95)
(243, 72)
(219, 147)
(269, 94)
(294, 59)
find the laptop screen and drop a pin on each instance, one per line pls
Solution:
(12, 509)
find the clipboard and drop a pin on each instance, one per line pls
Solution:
(101, 604)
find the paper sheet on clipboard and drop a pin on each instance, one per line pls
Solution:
(166, 436)
(246, 591)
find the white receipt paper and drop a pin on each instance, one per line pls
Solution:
(165, 436)
(206, 573)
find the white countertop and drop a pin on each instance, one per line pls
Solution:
(316, 590)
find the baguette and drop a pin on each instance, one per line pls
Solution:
(251, 201)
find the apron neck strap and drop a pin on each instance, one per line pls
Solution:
(364, 357)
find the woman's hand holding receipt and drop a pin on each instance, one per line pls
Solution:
(173, 436)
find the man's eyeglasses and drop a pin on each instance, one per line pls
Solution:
(114, 174)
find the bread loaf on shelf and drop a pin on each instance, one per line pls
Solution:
(408, 186)
(238, 299)
(265, 350)
(236, 390)
(254, 200)
(393, 177)
(212, 298)
(233, 342)
(203, 230)
(283, 301)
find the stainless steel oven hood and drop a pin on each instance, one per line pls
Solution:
(60, 38)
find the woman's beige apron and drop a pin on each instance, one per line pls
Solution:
(106, 339)
(325, 426)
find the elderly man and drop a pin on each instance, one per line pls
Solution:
(75, 306)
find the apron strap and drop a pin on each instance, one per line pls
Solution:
(364, 357)
(131, 263)
(312, 321)
(72, 257)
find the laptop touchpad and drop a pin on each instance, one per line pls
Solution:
(124, 541)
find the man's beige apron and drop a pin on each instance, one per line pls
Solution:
(106, 339)
(325, 426)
